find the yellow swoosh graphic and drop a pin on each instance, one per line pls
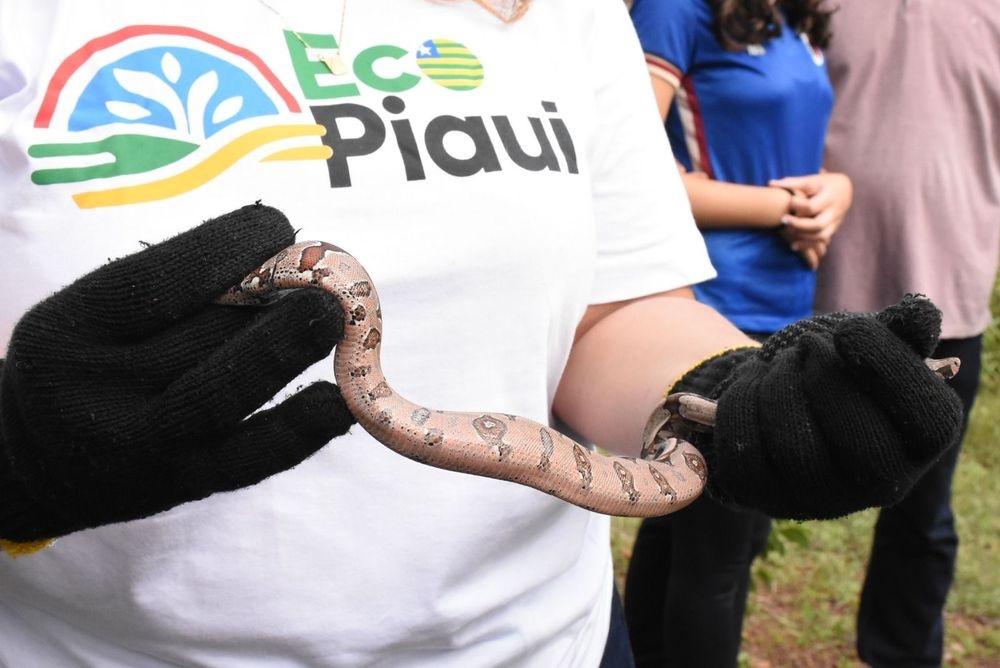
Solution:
(204, 171)
(301, 153)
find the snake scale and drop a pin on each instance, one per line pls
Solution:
(670, 475)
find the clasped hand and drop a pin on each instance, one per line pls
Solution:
(819, 205)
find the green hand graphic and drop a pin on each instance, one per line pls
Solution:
(132, 154)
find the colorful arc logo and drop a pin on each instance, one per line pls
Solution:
(156, 94)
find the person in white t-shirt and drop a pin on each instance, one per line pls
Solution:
(510, 190)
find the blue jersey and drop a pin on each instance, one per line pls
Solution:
(744, 116)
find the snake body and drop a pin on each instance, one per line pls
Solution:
(670, 475)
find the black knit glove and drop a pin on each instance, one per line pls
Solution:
(832, 415)
(128, 392)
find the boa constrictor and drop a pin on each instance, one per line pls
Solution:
(497, 445)
(670, 475)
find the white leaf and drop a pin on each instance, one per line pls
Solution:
(127, 110)
(145, 84)
(150, 86)
(201, 92)
(171, 67)
(227, 109)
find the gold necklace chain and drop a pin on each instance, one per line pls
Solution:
(333, 62)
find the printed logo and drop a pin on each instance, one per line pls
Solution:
(151, 112)
(449, 64)
(168, 104)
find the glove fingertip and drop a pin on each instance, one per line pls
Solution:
(315, 313)
(236, 242)
(323, 413)
(272, 441)
(916, 320)
(254, 220)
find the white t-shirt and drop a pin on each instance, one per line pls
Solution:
(494, 180)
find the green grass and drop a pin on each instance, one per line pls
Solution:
(801, 611)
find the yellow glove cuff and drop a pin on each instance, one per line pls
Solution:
(15, 550)
(717, 353)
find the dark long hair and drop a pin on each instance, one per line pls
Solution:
(739, 23)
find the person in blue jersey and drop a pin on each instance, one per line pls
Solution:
(743, 91)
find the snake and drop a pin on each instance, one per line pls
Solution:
(668, 475)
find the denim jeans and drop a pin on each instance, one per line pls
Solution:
(617, 651)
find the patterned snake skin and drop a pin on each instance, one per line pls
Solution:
(495, 445)
(670, 475)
